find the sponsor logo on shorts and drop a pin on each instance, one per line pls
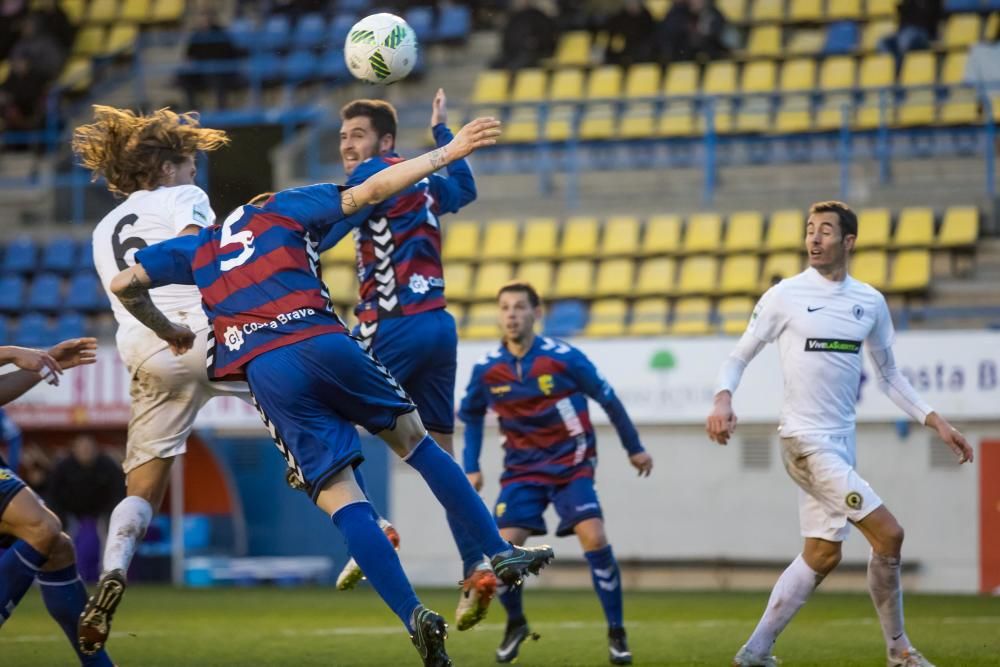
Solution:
(500, 390)
(586, 506)
(854, 500)
(233, 338)
(501, 508)
(546, 383)
(833, 345)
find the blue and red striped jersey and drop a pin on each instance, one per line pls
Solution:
(540, 401)
(258, 273)
(398, 242)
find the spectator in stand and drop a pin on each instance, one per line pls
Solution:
(40, 48)
(693, 30)
(12, 13)
(529, 36)
(918, 22)
(55, 22)
(631, 35)
(22, 97)
(211, 61)
(36, 467)
(982, 69)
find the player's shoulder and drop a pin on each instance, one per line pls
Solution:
(490, 357)
(557, 347)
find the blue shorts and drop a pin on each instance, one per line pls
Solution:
(521, 505)
(310, 395)
(10, 486)
(421, 351)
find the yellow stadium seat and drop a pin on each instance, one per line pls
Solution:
(734, 10)
(598, 122)
(794, 115)
(877, 71)
(681, 80)
(539, 238)
(574, 279)
(992, 24)
(102, 11)
(677, 120)
(490, 278)
(4, 70)
(167, 11)
(522, 127)
(481, 322)
(342, 281)
(786, 230)
(743, 232)
(656, 277)
(567, 84)
(77, 75)
(457, 311)
(767, 10)
(830, 116)
(529, 85)
(691, 317)
(874, 32)
(870, 266)
(702, 233)
(805, 42)
(638, 121)
(89, 41)
(559, 124)
(121, 38)
(873, 109)
(605, 82)
(461, 240)
(649, 317)
(342, 253)
(621, 236)
(615, 277)
(720, 78)
(754, 115)
(837, 73)
(759, 77)
(500, 240)
(722, 117)
(739, 274)
(537, 272)
(657, 8)
(961, 108)
(579, 237)
(135, 10)
(844, 10)
(74, 10)
(873, 228)
(959, 227)
(880, 8)
(458, 281)
(917, 109)
(914, 228)
(642, 80)
(491, 87)
(953, 70)
(778, 267)
(911, 271)
(734, 313)
(697, 275)
(798, 75)
(919, 69)
(607, 318)
(805, 10)
(663, 235)
(574, 49)
(764, 40)
(962, 31)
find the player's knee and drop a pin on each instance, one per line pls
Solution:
(42, 532)
(62, 555)
(892, 540)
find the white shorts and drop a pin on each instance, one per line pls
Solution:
(831, 492)
(167, 392)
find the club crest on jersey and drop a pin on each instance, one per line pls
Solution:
(859, 312)
(546, 384)
(854, 500)
(501, 508)
(233, 338)
(5, 475)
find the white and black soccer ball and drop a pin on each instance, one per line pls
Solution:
(381, 48)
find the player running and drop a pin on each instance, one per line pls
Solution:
(401, 313)
(37, 547)
(150, 160)
(821, 319)
(311, 381)
(538, 387)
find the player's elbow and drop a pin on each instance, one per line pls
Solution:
(373, 191)
(120, 283)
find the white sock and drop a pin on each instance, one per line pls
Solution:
(887, 595)
(127, 526)
(791, 591)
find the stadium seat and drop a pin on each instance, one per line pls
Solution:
(607, 318)
(663, 235)
(767, 10)
(500, 240)
(786, 230)
(45, 293)
(567, 84)
(805, 42)
(919, 69)
(677, 120)
(702, 233)
(69, 325)
(778, 267)
(959, 227)
(522, 126)
(135, 11)
(798, 75)
(342, 281)
(961, 108)
(759, 77)
(734, 10)
(754, 115)
(877, 71)
(722, 116)
(574, 279)
(656, 277)
(605, 82)
(310, 31)
(75, 10)
(77, 74)
(458, 281)
(85, 255)
(794, 115)
(85, 293)
(698, 275)
(720, 78)
(805, 11)
(537, 272)
(870, 267)
(11, 293)
(837, 74)
(739, 274)
(342, 253)
(299, 66)
(830, 115)
(874, 109)
(421, 20)
(102, 11)
(649, 317)
(638, 121)
(529, 85)
(457, 311)
(579, 237)
(691, 317)
(539, 238)
(20, 256)
(559, 126)
(953, 70)
(911, 271)
(340, 26)
(461, 240)
(490, 278)
(573, 49)
(914, 228)
(565, 318)
(454, 23)
(880, 8)
(168, 11)
(873, 228)
(333, 67)
(615, 277)
(490, 87)
(916, 109)
(34, 330)
(874, 32)
(764, 41)
(681, 80)
(734, 313)
(844, 10)
(276, 33)
(620, 237)
(962, 31)
(598, 122)
(743, 232)
(59, 255)
(642, 80)
(481, 322)
(89, 41)
(657, 8)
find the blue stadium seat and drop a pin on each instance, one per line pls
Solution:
(34, 330)
(85, 258)
(841, 38)
(266, 66)
(45, 293)
(85, 293)
(11, 293)
(333, 67)
(566, 318)
(59, 255)
(352, 6)
(70, 325)
(4, 331)
(299, 66)
(310, 31)
(21, 256)
(454, 24)
(275, 34)
(243, 33)
(421, 19)
(339, 27)
(956, 6)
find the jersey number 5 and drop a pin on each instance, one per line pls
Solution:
(119, 248)
(244, 238)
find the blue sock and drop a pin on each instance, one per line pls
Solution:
(510, 598)
(18, 568)
(378, 560)
(468, 546)
(65, 596)
(452, 489)
(607, 583)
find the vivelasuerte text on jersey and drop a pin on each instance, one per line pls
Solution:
(541, 403)
(258, 273)
(398, 242)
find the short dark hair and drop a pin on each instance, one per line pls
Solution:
(847, 218)
(525, 287)
(379, 112)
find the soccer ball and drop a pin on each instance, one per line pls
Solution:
(381, 48)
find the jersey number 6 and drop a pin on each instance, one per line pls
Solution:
(119, 248)
(244, 238)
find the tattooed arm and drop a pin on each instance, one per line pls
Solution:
(131, 286)
(477, 134)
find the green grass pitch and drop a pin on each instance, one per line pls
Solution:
(320, 626)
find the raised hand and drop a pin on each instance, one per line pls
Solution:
(75, 352)
(37, 361)
(439, 108)
(477, 134)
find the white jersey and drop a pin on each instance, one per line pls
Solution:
(820, 326)
(145, 218)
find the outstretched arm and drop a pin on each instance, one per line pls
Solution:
(131, 286)
(37, 365)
